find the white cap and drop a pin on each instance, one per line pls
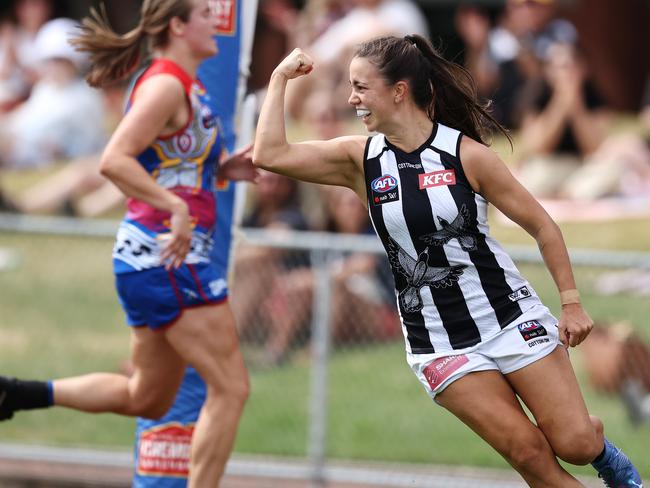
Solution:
(53, 41)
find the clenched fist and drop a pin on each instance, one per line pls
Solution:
(296, 64)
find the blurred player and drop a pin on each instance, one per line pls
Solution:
(163, 156)
(162, 446)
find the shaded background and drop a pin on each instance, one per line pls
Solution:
(614, 34)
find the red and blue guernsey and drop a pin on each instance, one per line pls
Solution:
(185, 163)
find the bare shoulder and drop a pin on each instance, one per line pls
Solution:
(162, 88)
(480, 163)
(472, 151)
(355, 146)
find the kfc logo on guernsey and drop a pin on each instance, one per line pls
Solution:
(226, 12)
(440, 369)
(165, 450)
(437, 178)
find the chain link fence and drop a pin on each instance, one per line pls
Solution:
(322, 340)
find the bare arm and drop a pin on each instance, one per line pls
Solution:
(489, 176)
(541, 131)
(566, 108)
(589, 127)
(335, 162)
(154, 111)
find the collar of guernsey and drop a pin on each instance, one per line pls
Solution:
(184, 162)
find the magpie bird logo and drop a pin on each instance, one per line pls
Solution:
(418, 273)
(457, 229)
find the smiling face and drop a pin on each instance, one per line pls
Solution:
(372, 98)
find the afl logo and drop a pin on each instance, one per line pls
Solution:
(384, 183)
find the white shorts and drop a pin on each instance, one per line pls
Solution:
(532, 336)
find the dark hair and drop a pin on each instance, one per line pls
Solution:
(113, 56)
(443, 89)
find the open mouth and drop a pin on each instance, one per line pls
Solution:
(362, 112)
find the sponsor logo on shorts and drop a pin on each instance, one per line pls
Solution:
(384, 190)
(190, 294)
(164, 450)
(520, 294)
(217, 287)
(531, 330)
(537, 342)
(437, 178)
(440, 369)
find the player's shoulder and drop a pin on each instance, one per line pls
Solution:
(472, 150)
(167, 83)
(354, 146)
(163, 90)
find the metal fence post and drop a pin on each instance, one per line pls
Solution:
(320, 345)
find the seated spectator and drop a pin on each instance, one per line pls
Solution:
(275, 206)
(612, 182)
(362, 306)
(503, 57)
(19, 56)
(563, 121)
(621, 165)
(63, 118)
(77, 189)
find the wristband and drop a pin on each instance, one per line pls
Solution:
(569, 296)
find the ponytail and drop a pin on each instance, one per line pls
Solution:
(113, 57)
(443, 89)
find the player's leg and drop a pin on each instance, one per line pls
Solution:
(148, 392)
(487, 404)
(550, 390)
(206, 336)
(158, 370)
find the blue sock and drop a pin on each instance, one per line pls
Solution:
(50, 393)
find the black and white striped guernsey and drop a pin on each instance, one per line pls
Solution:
(455, 285)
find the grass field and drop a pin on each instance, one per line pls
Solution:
(59, 315)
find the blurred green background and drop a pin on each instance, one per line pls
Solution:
(59, 316)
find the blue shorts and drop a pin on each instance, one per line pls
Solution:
(156, 297)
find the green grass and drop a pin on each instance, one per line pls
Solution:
(59, 316)
(620, 235)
